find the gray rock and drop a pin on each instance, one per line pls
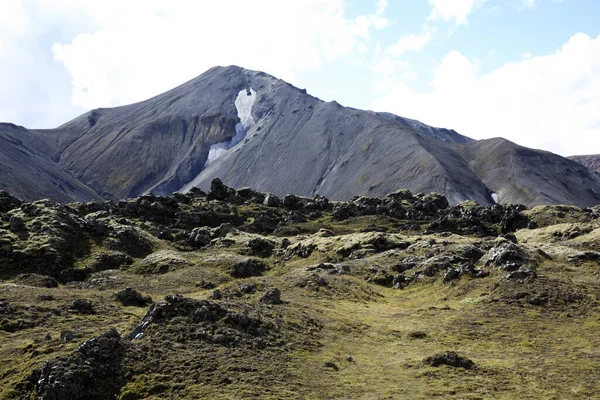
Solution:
(271, 296)
(248, 268)
(131, 297)
(260, 247)
(83, 306)
(451, 275)
(507, 252)
(272, 201)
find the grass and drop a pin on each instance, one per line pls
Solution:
(376, 336)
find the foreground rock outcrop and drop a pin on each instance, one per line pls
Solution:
(237, 293)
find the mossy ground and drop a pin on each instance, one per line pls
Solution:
(376, 336)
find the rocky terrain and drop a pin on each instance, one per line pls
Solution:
(236, 293)
(251, 129)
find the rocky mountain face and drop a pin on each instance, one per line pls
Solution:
(590, 161)
(251, 129)
(30, 173)
(236, 293)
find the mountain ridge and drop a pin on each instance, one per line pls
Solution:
(287, 142)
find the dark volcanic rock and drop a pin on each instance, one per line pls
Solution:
(214, 322)
(131, 297)
(248, 268)
(83, 306)
(95, 371)
(260, 247)
(218, 191)
(272, 201)
(451, 359)
(129, 240)
(331, 365)
(110, 260)
(507, 253)
(8, 202)
(271, 296)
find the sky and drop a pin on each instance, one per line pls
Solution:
(526, 70)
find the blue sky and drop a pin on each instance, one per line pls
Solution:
(527, 70)
(496, 32)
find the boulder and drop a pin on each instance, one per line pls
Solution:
(272, 201)
(131, 297)
(248, 268)
(83, 306)
(110, 260)
(259, 247)
(271, 296)
(8, 202)
(218, 191)
(101, 378)
(450, 359)
(506, 252)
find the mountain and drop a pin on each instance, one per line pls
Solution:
(590, 161)
(30, 173)
(251, 129)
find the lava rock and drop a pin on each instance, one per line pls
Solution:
(205, 285)
(506, 252)
(451, 359)
(199, 237)
(8, 202)
(523, 274)
(451, 275)
(248, 268)
(110, 260)
(218, 191)
(83, 306)
(247, 288)
(291, 201)
(272, 201)
(331, 365)
(101, 378)
(259, 247)
(271, 296)
(131, 297)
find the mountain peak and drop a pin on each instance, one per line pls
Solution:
(251, 129)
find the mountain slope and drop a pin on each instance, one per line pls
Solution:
(533, 177)
(590, 161)
(251, 129)
(32, 175)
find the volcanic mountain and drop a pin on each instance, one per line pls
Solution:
(590, 161)
(252, 129)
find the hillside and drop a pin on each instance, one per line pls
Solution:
(239, 294)
(590, 161)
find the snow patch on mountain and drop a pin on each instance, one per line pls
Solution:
(495, 197)
(243, 103)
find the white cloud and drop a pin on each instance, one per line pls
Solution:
(34, 90)
(152, 45)
(453, 10)
(548, 102)
(412, 42)
(66, 56)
